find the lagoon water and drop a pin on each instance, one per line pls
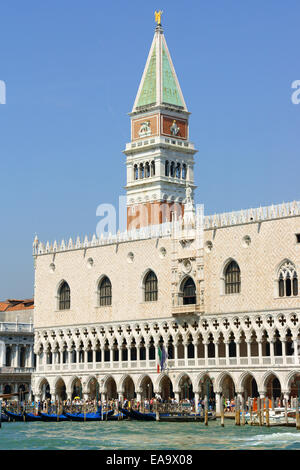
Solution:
(133, 435)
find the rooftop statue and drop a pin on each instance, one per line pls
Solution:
(158, 16)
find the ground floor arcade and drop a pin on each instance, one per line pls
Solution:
(179, 385)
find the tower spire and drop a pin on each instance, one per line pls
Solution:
(159, 85)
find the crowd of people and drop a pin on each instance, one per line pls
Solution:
(146, 405)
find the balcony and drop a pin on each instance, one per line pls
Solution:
(190, 309)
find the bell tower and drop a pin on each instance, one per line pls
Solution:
(160, 156)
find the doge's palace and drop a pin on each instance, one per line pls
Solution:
(217, 294)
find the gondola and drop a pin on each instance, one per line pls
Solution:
(53, 417)
(143, 416)
(22, 416)
(89, 416)
(139, 416)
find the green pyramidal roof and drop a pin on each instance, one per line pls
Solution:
(171, 94)
(148, 92)
(159, 84)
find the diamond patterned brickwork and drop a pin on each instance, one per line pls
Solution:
(272, 241)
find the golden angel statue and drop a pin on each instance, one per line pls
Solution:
(158, 16)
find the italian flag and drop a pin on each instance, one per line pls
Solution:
(159, 359)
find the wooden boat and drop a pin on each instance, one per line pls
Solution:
(53, 417)
(89, 416)
(22, 416)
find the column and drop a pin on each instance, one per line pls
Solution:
(218, 402)
(196, 399)
(177, 396)
(186, 352)
(283, 347)
(295, 342)
(175, 354)
(205, 344)
(13, 355)
(227, 352)
(248, 351)
(138, 397)
(111, 356)
(272, 351)
(238, 352)
(138, 353)
(260, 354)
(94, 357)
(217, 353)
(120, 396)
(85, 396)
(147, 355)
(102, 356)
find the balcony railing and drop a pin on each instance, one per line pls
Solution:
(173, 364)
(189, 309)
(16, 370)
(16, 327)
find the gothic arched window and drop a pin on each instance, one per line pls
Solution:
(189, 292)
(232, 278)
(172, 171)
(178, 170)
(136, 172)
(150, 287)
(183, 174)
(287, 280)
(105, 292)
(64, 296)
(167, 168)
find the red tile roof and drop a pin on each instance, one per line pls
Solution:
(14, 304)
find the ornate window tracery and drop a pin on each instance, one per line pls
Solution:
(287, 280)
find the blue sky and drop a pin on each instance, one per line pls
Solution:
(72, 70)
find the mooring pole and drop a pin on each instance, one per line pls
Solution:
(205, 411)
(243, 411)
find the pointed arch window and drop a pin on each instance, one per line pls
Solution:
(189, 292)
(172, 170)
(287, 280)
(183, 174)
(153, 168)
(151, 287)
(232, 278)
(167, 168)
(64, 296)
(105, 292)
